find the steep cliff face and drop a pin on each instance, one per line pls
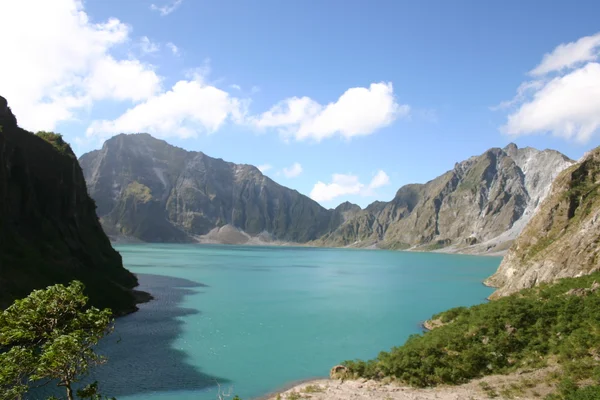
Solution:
(49, 231)
(563, 238)
(479, 206)
(150, 190)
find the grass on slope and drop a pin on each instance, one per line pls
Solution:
(558, 322)
(56, 140)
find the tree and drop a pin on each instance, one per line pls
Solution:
(50, 336)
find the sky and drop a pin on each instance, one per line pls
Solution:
(338, 99)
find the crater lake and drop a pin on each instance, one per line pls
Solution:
(256, 319)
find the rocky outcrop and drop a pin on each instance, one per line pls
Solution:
(49, 230)
(338, 372)
(563, 238)
(478, 207)
(150, 190)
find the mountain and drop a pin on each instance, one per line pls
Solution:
(149, 190)
(480, 206)
(49, 230)
(563, 238)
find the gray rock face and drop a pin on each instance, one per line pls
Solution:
(563, 238)
(478, 207)
(150, 190)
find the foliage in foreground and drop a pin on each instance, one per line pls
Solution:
(49, 337)
(521, 331)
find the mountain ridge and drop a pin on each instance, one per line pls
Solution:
(477, 187)
(164, 193)
(149, 190)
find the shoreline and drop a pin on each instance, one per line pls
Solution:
(125, 241)
(364, 389)
(289, 386)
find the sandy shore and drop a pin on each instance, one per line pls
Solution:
(531, 385)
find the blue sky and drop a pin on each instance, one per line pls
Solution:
(379, 94)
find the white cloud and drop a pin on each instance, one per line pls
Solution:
(380, 179)
(174, 49)
(565, 103)
(65, 63)
(568, 55)
(121, 80)
(167, 8)
(343, 185)
(293, 171)
(236, 87)
(189, 107)
(148, 46)
(264, 168)
(568, 106)
(522, 91)
(359, 111)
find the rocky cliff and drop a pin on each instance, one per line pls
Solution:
(563, 238)
(478, 207)
(49, 231)
(155, 192)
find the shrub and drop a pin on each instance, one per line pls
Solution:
(56, 140)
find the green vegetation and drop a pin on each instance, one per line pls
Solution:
(557, 323)
(294, 396)
(313, 389)
(56, 140)
(449, 315)
(139, 191)
(487, 389)
(49, 337)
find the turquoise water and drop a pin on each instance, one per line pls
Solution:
(258, 318)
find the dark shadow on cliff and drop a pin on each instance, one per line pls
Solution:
(141, 353)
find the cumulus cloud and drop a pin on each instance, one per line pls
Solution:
(264, 167)
(58, 71)
(65, 63)
(342, 185)
(191, 106)
(359, 111)
(564, 99)
(568, 55)
(293, 171)
(167, 8)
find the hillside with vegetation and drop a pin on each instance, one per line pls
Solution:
(49, 230)
(550, 325)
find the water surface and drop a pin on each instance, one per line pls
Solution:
(257, 318)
